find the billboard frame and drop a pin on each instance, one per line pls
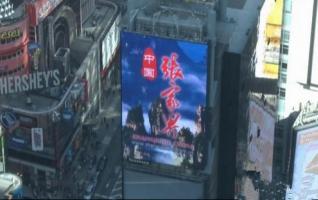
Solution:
(160, 168)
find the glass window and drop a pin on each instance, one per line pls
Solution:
(282, 92)
(285, 36)
(285, 49)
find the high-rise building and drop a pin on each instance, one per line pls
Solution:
(298, 93)
(220, 25)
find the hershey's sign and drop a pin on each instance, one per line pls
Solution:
(31, 81)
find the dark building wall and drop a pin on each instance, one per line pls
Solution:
(149, 186)
(228, 124)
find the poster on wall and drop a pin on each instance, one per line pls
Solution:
(261, 140)
(163, 100)
(37, 139)
(305, 175)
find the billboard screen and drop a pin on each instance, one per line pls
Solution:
(269, 37)
(305, 175)
(261, 140)
(163, 100)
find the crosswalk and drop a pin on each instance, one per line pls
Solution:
(117, 190)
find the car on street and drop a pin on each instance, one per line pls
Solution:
(101, 164)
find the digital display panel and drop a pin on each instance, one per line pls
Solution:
(305, 175)
(163, 100)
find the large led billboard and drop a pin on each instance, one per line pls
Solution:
(269, 39)
(261, 140)
(163, 100)
(305, 175)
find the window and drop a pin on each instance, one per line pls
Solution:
(285, 49)
(282, 92)
(285, 36)
(283, 77)
(284, 66)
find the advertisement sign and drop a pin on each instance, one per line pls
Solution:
(305, 176)
(261, 140)
(269, 39)
(110, 43)
(37, 139)
(41, 9)
(14, 32)
(10, 35)
(31, 81)
(163, 100)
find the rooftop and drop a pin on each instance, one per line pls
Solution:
(266, 101)
(95, 24)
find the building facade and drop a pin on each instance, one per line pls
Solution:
(14, 31)
(44, 128)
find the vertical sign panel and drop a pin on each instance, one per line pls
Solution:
(37, 139)
(269, 39)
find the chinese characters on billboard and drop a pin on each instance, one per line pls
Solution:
(261, 140)
(269, 39)
(305, 176)
(163, 100)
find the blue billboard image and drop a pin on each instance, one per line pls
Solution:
(163, 100)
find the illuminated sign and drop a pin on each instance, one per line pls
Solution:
(261, 136)
(110, 43)
(27, 82)
(12, 34)
(305, 176)
(163, 100)
(269, 39)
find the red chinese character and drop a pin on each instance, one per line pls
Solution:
(170, 68)
(171, 123)
(170, 95)
(149, 65)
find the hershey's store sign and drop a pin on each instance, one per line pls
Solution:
(31, 81)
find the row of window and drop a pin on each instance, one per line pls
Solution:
(11, 72)
(11, 56)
